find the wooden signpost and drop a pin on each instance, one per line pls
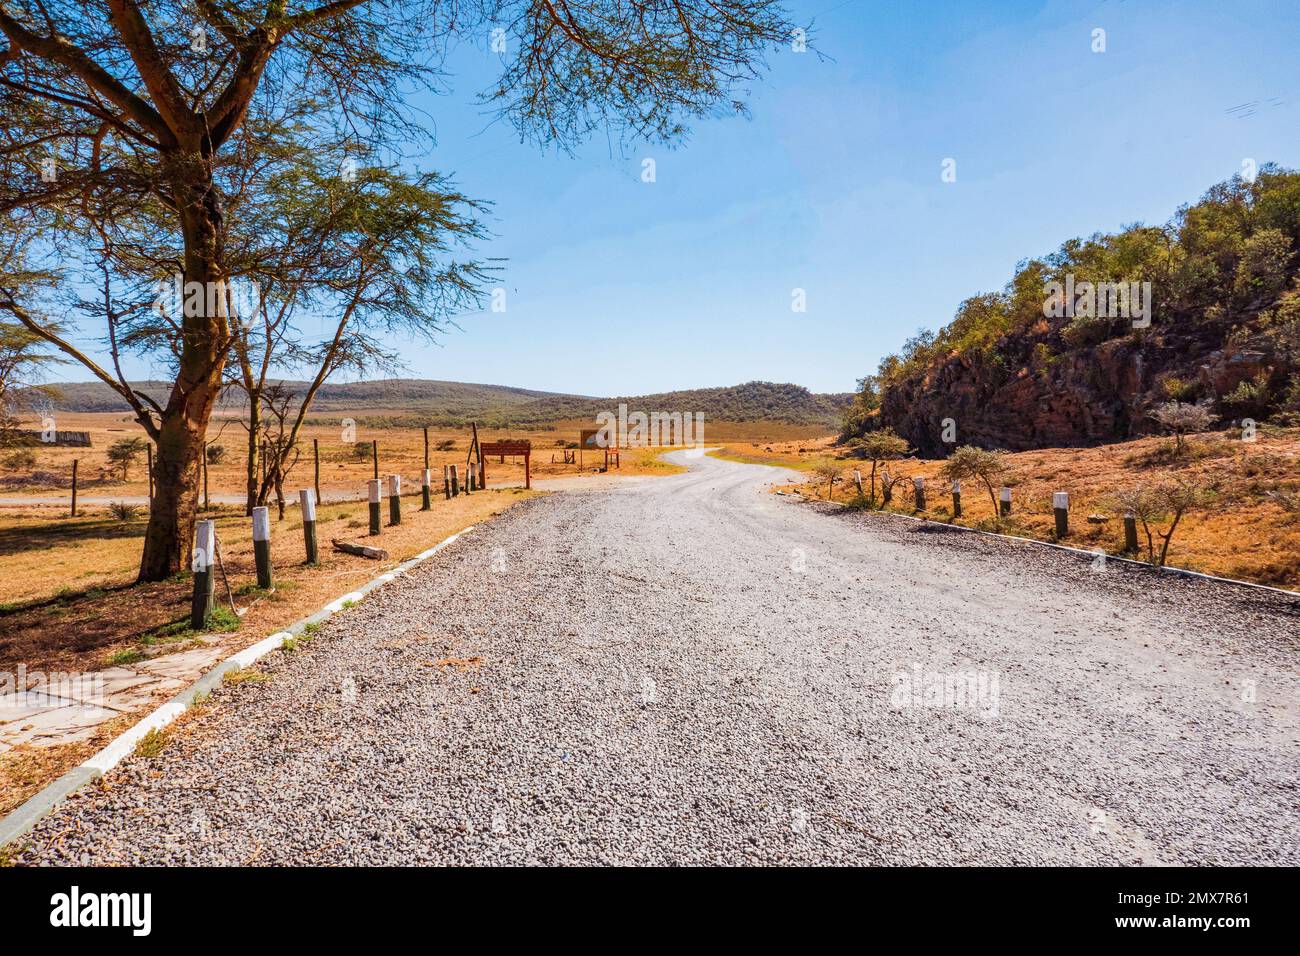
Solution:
(503, 448)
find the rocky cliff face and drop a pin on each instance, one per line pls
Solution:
(1030, 392)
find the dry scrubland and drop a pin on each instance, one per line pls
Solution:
(1247, 532)
(344, 471)
(67, 597)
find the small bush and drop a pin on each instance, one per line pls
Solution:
(362, 450)
(221, 619)
(152, 744)
(23, 459)
(123, 511)
(216, 454)
(447, 444)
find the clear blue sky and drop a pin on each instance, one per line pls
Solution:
(616, 286)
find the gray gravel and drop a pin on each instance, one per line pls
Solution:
(690, 670)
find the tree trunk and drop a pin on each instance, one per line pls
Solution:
(253, 484)
(206, 336)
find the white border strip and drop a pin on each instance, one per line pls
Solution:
(21, 819)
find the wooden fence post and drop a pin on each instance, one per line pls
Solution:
(426, 494)
(394, 499)
(307, 503)
(1061, 508)
(374, 506)
(205, 582)
(528, 471)
(1130, 533)
(446, 480)
(956, 499)
(74, 487)
(919, 484)
(374, 452)
(262, 546)
(455, 482)
(1004, 496)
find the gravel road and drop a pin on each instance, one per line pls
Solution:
(690, 670)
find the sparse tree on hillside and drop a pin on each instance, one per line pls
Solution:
(969, 463)
(1154, 505)
(1180, 420)
(880, 446)
(827, 469)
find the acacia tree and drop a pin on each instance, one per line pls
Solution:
(878, 446)
(125, 114)
(971, 463)
(380, 262)
(1160, 504)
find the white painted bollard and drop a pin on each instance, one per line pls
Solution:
(262, 547)
(919, 484)
(1004, 496)
(426, 493)
(307, 504)
(1061, 507)
(374, 493)
(205, 546)
(956, 499)
(446, 481)
(394, 499)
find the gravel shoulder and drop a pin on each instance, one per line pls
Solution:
(690, 670)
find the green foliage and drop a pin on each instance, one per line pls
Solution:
(1232, 256)
(1251, 398)
(969, 463)
(125, 452)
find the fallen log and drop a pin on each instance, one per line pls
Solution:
(360, 550)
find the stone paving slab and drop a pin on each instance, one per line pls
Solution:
(60, 725)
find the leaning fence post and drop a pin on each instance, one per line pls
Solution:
(394, 499)
(857, 479)
(956, 499)
(374, 505)
(919, 484)
(1061, 507)
(262, 546)
(425, 493)
(205, 582)
(1004, 496)
(1130, 533)
(307, 504)
(455, 482)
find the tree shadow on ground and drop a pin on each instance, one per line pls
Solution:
(54, 533)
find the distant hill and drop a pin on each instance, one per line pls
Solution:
(498, 406)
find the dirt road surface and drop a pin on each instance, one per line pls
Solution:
(692, 670)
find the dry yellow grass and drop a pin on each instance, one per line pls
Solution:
(1245, 533)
